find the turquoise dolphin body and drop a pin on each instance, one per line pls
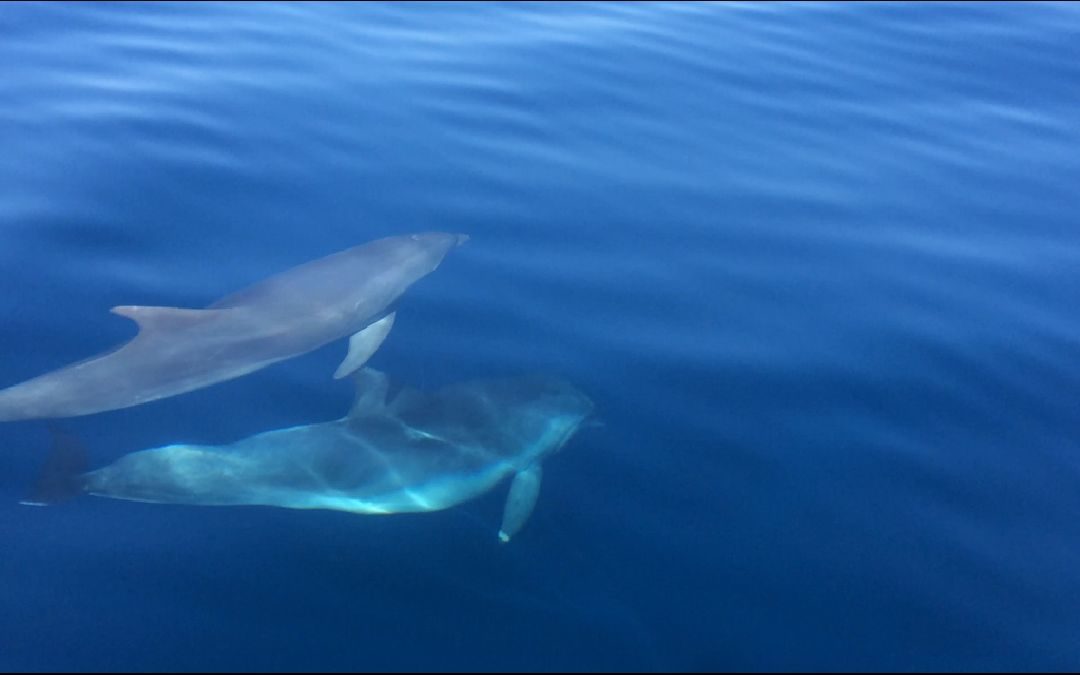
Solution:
(411, 452)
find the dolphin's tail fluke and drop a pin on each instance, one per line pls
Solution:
(62, 475)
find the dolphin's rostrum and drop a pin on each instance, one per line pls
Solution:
(178, 350)
(414, 451)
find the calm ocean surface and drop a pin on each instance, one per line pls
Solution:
(818, 265)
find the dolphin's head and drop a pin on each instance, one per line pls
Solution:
(558, 397)
(445, 240)
(543, 411)
(569, 408)
(434, 246)
(367, 279)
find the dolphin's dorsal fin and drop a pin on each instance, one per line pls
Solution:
(371, 386)
(165, 318)
(363, 344)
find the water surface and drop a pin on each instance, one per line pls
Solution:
(818, 265)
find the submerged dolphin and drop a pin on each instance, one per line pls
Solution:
(177, 350)
(415, 452)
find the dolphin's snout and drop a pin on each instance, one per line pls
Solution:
(461, 238)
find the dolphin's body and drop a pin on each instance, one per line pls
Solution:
(415, 452)
(177, 350)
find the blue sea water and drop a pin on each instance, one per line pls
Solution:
(817, 264)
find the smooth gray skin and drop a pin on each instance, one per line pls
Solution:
(419, 452)
(301, 309)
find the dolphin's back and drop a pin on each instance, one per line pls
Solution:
(331, 275)
(374, 273)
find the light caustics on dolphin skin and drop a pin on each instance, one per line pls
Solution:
(410, 452)
(351, 292)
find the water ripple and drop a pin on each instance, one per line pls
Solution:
(816, 262)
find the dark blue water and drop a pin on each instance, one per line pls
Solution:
(818, 265)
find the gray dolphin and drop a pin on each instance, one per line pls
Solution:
(415, 452)
(177, 350)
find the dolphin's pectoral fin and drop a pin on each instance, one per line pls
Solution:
(521, 500)
(152, 318)
(371, 387)
(363, 344)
